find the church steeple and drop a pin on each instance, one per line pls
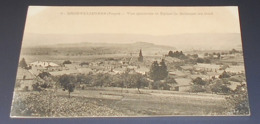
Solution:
(140, 58)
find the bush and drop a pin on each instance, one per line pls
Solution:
(67, 62)
(41, 86)
(238, 101)
(44, 74)
(101, 79)
(26, 88)
(220, 86)
(199, 81)
(224, 75)
(197, 88)
(159, 85)
(200, 60)
(84, 63)
(36, 87)
(164, 86)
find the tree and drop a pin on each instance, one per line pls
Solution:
(200, 60)
(195, 55)
(154, 71)
(199, 85)
(84, 78)
(42, 75)
(140, 58)
(220, 88)
(23, 64)
(163, 73)
(161, 85)
(177, 54)
(67, 82)
(206, 60)
(158, 72)
(137, 80)
(101, 79)
(170, 54)
(117, 81)
(238, 101)
(224, 75)
(124, 76)
(199, 81)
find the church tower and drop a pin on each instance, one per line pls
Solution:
(140, 58)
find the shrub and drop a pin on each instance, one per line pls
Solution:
(67, 62)
(238, 101)
(224, 75)
(42, 75)
(197, 88)
(199, 81)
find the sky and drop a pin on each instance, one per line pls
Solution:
(66, 24)
(133, 20)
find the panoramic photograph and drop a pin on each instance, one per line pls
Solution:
(130, 62)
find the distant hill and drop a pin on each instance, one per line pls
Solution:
(88, 48)
(223, 41)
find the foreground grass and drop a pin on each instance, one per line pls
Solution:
(96, 102)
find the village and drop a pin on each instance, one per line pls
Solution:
(172, 83)
(183, 68)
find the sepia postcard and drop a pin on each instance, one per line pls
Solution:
(129, 61)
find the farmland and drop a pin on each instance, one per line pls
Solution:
(116, 102)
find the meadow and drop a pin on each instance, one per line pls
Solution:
(115, 102)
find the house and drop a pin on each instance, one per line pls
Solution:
(172, 59)
(23, 74)
(142, 70)
(236, 69)
(84, 70)
(177, 73)
(126, 60)
(204, 77)
(71, 66)
(233, 85)
(207, 67)
(187, 67)
(59, 73)
(25, 79)
(43, 64)
(183, 84)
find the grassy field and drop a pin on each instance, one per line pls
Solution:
(154, 102)
(116, 102)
